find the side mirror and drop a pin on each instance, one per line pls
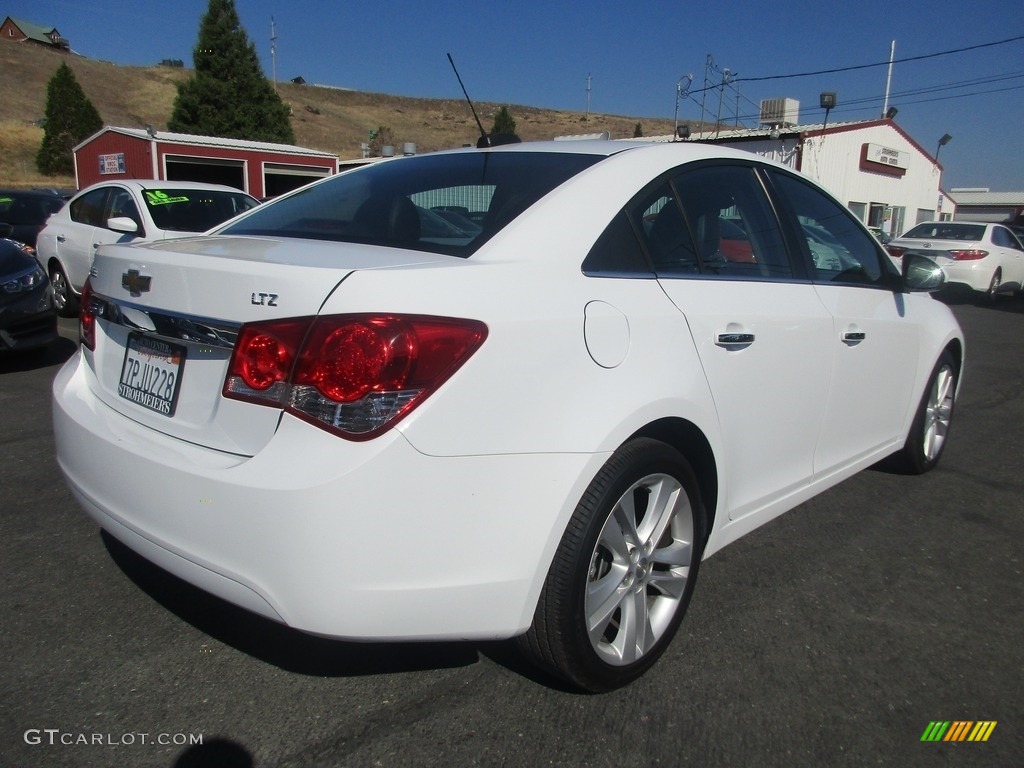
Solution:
(123, 224)
(921, 274)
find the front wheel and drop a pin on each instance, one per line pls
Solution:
(624, 571)
(934, 417)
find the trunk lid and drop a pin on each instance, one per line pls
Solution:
(171, 311)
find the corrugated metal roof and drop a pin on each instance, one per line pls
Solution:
(210, 141)
(726, 133)
(36, 32)
(988, 198)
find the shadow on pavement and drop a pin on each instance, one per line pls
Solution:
(53, 354)
(275, 643)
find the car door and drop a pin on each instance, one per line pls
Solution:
(1012, 256)
(761, 332)
(873, 335)
(74, 235)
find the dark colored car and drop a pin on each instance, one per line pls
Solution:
(28, 318)
(24, 212)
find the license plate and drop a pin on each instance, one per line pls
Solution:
(151, 373)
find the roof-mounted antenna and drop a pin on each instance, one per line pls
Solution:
(485, 140)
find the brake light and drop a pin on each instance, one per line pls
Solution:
(353, 375)
(968, 255)
(87, 317)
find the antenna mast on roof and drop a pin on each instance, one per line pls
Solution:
(888, 79)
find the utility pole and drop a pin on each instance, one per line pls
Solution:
(709, 64)
(721, 94)
(588, 98)
(273, 52)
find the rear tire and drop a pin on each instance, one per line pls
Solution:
(993, 287)
(928, 433)
(64, 298)
(624, 571)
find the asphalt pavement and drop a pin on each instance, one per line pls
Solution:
(834, 636)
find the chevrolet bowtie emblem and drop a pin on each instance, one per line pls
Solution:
(135, 283)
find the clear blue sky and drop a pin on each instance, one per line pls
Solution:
(541, 53)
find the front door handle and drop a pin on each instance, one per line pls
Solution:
(854, 336)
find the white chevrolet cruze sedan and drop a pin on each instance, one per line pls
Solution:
(367, 428)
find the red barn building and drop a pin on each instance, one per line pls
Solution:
(260, 168)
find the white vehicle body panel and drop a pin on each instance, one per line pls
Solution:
(445, 525)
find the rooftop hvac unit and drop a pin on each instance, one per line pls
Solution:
(779, 112)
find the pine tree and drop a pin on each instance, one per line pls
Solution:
(228, 96)
(638, 131)
(70, 118)
(504, 123)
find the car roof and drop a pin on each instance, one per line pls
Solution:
(143, 184)
(686, 151)
(48, 195)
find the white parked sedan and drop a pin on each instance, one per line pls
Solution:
(127, 212)
(360, 428)
(986, 257)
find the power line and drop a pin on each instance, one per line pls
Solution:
(881, 63)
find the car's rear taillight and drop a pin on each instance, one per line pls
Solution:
(87, 317)
(353, 375)
(968, 255)
(895, 251)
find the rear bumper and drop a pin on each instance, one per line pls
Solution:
(974, 274)
(363, 541)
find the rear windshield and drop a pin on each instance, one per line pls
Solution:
(194, 210)
(443, 203)
(946, 230)
(27, 209)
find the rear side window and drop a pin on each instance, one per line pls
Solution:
(1002, 237)
(88, 209)
(444, 203)
(735, 230)
(712, 220)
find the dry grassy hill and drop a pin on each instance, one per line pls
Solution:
(328, 119)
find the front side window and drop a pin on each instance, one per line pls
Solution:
(840, 250)
(121, 205)
(442, 203)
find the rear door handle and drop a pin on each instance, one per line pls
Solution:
(61, 239)
(734, 339)
(854, 336)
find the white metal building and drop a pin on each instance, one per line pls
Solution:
(885, 177)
